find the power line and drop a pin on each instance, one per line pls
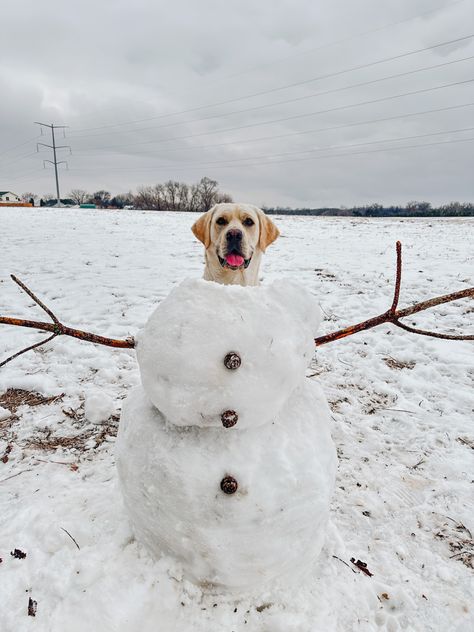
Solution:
(299, 116)
(343, 40)
(359, 153)
(26, 142)
(295, 99)
(54, 147)
(25, 175)
(19, 158)
(331, 147)
(322, 157)
(225, 163)
(302, 53)
(308, 131)
(291, 85)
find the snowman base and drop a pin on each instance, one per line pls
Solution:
(269, 528)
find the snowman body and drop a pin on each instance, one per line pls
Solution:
(175, 453)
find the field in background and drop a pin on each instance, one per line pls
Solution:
(402, 406)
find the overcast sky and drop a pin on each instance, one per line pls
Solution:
(269, 98)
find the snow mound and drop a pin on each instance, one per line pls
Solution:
(182, 347)
(98, 406)
(271, 528)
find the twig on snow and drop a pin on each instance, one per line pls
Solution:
(56, 327)
(393, 314)
(66, 531)
(349, 567)
(30, 348)
(13, 475)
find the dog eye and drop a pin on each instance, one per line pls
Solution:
(221, 221)
(248, 221)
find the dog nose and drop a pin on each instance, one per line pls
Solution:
(234, 237)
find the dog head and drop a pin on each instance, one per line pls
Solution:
(233, 234)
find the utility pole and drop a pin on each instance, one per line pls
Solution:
(54, 162)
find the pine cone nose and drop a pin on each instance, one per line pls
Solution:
(232, 361)
(229, 418)
(229, 485)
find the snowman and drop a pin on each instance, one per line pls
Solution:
(224, 453)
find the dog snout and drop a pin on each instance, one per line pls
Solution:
(234, 238)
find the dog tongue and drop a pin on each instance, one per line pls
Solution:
(234, 260)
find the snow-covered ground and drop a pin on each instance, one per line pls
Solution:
(402, 404)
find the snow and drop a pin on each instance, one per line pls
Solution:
(182, 347)
(4, 413)
(98, 406)
(170, 477)
(402, 408)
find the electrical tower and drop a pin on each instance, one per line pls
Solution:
(54, 147)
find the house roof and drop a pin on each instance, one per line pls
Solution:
(5, 192)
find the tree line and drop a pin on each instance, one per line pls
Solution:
(199, 197)
(167, 196)
(411, 209)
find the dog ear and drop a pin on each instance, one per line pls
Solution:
(268, 231)
(202, 228)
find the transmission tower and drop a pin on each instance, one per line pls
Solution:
(54, 147)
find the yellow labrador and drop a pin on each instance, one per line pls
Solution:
(234, 236)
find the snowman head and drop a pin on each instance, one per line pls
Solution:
(235, 236)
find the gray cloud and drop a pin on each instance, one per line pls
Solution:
(99, 66)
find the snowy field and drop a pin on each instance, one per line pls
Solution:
(402, 405)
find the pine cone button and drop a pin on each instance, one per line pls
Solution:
(229, 485)
(229, 418)
(232, 361)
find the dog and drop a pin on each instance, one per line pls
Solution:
(234, 236)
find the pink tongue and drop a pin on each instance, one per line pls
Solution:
(234, 260)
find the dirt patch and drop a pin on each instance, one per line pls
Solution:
(376, 401)
(459, 540)
(321, 272)
(335, 404)
(6, 425)
(13, 398)
(398, 365)
(48, 441)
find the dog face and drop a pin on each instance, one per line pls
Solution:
(234, 236)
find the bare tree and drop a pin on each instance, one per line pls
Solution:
(179, 196)
(418, 207)
(144, 197)
(29, 197)
(183, 197)
(101, 198)
(171, 195)
(150, 198)
(223, 197)
(79, 196)
(208, 192)
(194, 199)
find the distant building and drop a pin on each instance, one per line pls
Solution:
(8, 196)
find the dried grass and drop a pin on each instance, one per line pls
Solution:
(398, 365)
(13, 398)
